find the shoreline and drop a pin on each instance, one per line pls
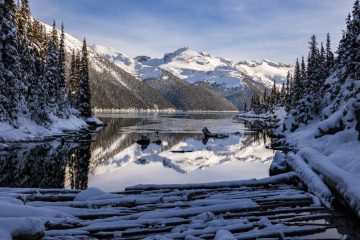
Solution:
(322, 162)
(61, 128)
(114, 111)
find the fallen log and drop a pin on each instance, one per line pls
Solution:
(281, 178)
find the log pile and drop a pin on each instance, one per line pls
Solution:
(274, 207)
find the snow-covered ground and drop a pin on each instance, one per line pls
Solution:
(29, 130)
(324, 161)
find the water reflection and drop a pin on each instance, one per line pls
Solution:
(174, 150)
(177, 150)
(45, 165)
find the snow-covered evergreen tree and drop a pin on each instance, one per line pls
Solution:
(329, 55)
(51, 76)
(303, 75)
(73, 83)
(274, 98)
(283, 94)
(297, 86)
(61, 94)
(288, 97)
(9, 85)
(84, 84)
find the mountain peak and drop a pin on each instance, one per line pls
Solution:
(169, 56)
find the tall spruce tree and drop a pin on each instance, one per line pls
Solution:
(315, 77)
(283, 94)
(288, 92)
(51, 76)
(62, 98)
(85, 92)
(322, 64)
(297, 86)
(329, 55)
(73, 83)
(303, 75)
(274, 96)
(9, 85)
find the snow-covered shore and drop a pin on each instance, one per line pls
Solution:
(30, 131)
(326, 163)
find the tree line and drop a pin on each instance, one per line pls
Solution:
(33, 82)
(323, 85)
(303, 91)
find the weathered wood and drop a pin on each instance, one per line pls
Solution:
(281, 178)
(140, 213)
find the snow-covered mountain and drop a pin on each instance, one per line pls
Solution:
(235, 81)
(184, 79)
(195, 67)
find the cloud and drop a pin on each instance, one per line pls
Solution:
(239, 29)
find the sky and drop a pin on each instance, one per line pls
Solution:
(277, 30)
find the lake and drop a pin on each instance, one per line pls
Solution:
(177, 153)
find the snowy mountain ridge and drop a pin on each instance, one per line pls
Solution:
(119, 81)
(193, 67)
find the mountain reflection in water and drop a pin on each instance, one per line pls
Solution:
(114, 160)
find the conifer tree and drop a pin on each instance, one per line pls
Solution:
(23, 19)
(274, 95)
(85, 94)
(329, 55)
(288, 93)
(303, 75)
(73, 83)
(51, 76)
(315, 76)
(322, 64)
(62, 98)
(283, 94)
(265, 101)
(297, 87)
(9, 84)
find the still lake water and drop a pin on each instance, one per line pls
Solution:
(177, 153)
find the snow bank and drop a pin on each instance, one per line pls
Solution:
(17, 209)
(29, 130)
(341, 181)
(22, 228)
(279, 164)
(314, 183)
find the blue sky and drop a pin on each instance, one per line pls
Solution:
(238, 29)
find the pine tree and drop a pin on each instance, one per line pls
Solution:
(283, 94)
(265, 100)
(51, 76)
(288, 93)
(274, 96)
(62, 98)
(23, 19)
(297, 87)
(315, 77)
(73, 83)
(9, 84)
(329, 55)
(303, 76)
(85, 94)
(322, 64)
